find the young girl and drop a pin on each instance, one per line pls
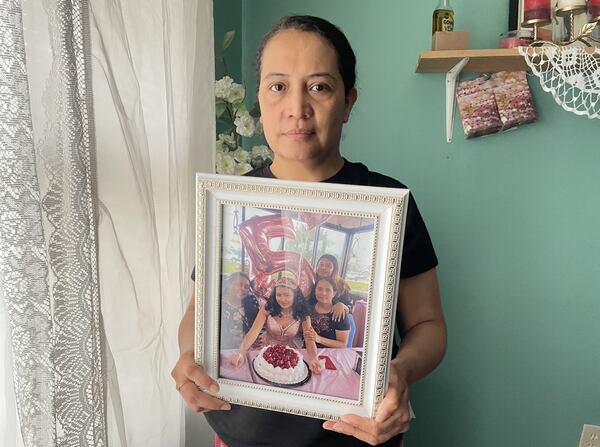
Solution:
(284, 317)
(325, 331)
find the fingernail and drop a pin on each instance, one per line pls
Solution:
(226, 407)
(328, 425)
(213, 388)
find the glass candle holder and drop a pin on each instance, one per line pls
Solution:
(513, 39)
(594, 7)
(571, 16)
(537, 11)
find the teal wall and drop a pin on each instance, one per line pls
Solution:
(514, 218)
(228, 17)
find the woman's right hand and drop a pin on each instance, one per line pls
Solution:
(194, 384)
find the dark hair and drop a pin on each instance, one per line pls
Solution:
(342, 286)
(345, 55)
(299, 311)
(313, 295)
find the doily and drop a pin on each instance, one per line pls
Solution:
(571, 73)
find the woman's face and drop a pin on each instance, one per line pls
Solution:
(284, 297)
(302, 100)
(324, 292)
(324, 267)
(239, 288)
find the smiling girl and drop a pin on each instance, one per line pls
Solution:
(285, 318)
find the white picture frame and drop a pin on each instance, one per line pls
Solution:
(218, 197)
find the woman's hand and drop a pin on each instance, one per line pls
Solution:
(340, 310)
(237, 359)
(315, 365)
(392, 417)
(193, 383)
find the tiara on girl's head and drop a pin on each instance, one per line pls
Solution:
(286, 281)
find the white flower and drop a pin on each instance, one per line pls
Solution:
(241, 155)
(244, 124)
(221, 148)
(229, 91)
(259, 128)
(225, 164)
(223, 87)
(236, 93)
(262, 151)
(242, 168)
(228, 140)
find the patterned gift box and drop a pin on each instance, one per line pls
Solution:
(478, 107)
(489, 105)
(513, 98)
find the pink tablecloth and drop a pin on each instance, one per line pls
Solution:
(340, 382)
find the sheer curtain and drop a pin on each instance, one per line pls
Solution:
(151, 69)
(153, 102)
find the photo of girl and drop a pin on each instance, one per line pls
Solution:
(285, 318)
(297, 265)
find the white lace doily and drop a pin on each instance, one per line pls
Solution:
(570, 73)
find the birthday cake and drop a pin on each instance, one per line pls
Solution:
(280, 364)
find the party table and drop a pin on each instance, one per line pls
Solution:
(343, 381)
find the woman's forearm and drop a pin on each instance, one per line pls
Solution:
(421, 350)
(423, 326)
(254, 331)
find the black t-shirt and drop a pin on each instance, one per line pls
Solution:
(252, 427)
(325, 325)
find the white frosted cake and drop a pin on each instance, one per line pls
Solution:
(280, 364)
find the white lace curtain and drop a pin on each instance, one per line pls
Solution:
(107, 111)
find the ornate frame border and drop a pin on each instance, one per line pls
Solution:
(386, 206)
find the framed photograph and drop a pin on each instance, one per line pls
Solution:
(276, 262)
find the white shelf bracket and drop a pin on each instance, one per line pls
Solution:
(451, 79)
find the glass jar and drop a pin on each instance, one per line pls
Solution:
(513, 39)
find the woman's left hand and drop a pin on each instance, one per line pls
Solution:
(392, 417)
(340, 310)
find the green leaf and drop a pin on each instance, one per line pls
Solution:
(255, 111)
(220, 107)
(239, 106)
(228, 39)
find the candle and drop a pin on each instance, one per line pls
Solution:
(595, 9)
(537, 10)
(570, 4)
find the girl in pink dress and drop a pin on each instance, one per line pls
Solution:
(285, 318)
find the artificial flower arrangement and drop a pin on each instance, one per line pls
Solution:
(233, 115)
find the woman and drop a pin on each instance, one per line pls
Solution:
(325, 331)
(306, 71)
(285, 318)
(238, 309)
(327, 265)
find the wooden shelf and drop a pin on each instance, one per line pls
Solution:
(479, 60)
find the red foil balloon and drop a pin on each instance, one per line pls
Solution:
(255, 234)
(313, 219)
